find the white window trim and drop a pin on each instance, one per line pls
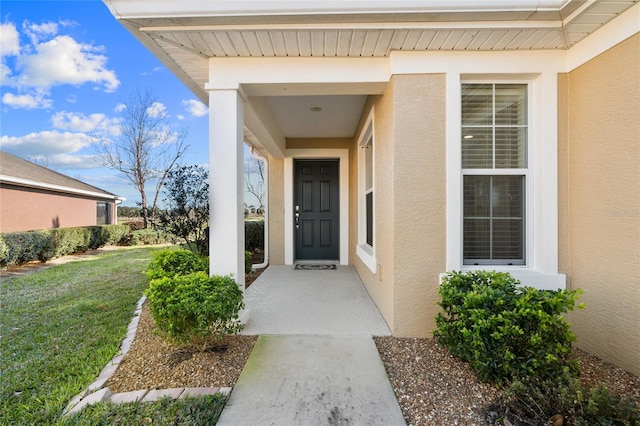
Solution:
(526, 172)
(365, 252)
(316, 154)
(541, 245)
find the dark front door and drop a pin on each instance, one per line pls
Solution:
(316, 210)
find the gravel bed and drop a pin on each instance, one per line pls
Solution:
(434, 388)
(152, 363)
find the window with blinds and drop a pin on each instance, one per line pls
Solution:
(368, 189)
(494, 169)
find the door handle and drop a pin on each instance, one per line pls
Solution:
(297, 216)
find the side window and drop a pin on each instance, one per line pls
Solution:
(102, 214)
(368, 189)
(366, 196)
(494, 173)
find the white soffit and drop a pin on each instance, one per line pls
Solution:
(303, 116)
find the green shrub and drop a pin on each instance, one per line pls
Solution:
(534, 402)
(187, 207)
(135, 225)
(147, 236)
(42, 245)
(248, 265)
(191, 308)
(505, 330)
(168, 263)
(107, 234)
(253, 235)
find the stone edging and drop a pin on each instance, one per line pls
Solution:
(96, 392)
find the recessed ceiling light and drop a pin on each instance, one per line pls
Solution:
(316, 109)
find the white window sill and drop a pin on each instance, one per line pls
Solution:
(366, 254)
(528, 277)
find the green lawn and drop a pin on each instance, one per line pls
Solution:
(59, 327)
(196, 411)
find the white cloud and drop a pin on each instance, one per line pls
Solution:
(36, 32)
(78, 122)
(195, 108)
(157, 109)
(45, 143)
(9, 40)
(156, 69)
(5, 74)
(66, 161)
(28, 101)
(120, 107)
(62, 60)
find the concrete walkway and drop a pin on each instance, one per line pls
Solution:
(315, 362)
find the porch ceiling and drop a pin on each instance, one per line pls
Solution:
(185, 34)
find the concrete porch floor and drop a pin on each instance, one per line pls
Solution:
(325, 302)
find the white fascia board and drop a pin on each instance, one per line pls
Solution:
(127, 9)
(57, 188)
(487, 64)
(619, 29)
(364, 26)
(298, 70)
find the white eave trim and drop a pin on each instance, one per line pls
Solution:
(132, 9)
(57, 188)
(364, 26)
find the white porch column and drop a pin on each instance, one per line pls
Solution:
(226, 184)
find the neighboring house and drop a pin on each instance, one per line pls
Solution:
(34, 197)
(411, 138)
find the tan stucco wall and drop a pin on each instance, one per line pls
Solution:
(600, 200)
(409, 196)
(24, 210)
(276, 211)
(419, 200)
(318, 143)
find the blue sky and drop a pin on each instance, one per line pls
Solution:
(67, 67)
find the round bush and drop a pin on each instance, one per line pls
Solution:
(505, 330)
(167, 263)
(191, 308)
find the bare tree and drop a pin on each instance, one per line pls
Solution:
(255, 185)
(146, 149)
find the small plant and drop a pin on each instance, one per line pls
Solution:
(534, 402)
(168, 263)
(505, 330)
(253, 235)
(248, 258)
(192, 308)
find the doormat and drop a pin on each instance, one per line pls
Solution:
(314, 267)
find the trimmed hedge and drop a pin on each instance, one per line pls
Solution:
(17, 248)
(504, 330)
(170, 262)
(144, 237)
(253, 235)
(191, 308)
